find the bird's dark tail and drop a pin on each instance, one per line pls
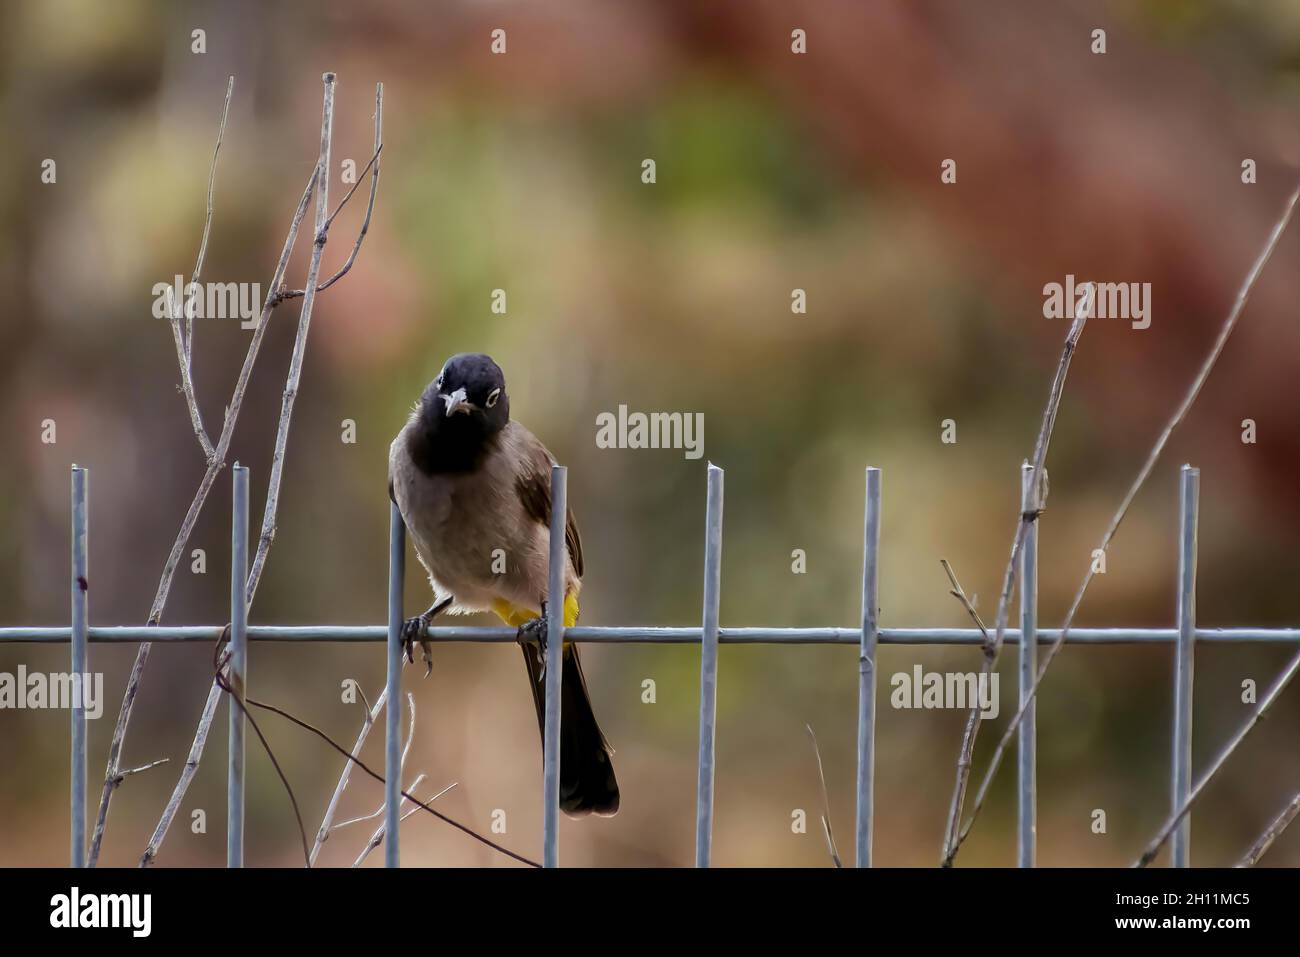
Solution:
(587, 783)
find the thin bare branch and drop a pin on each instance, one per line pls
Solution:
(960, 594)
(187, 387)
(267, 536)
(300, 341)
(187, 775)
(406, 750)
(1243, 295)
(299, 293)
(215, 463)
(1271, 834)
(142, 768)
(469, 831)
(1028, 516)
(374, 158)
(370, 206)
(826, 804)
(367, 817)
(184, 310)
(207, 223)
(410, 729)
(378, 812)
(377, 838)
(1261, 709)
(222, 678)
(326, 824)
(321, 179)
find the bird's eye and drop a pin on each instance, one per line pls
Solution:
(437, 383)
(492, 397)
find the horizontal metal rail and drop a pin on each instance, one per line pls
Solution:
(1182, 639)
(651, 635)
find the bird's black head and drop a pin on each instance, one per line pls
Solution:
(460, 412)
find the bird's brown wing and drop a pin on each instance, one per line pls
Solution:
(533, 484)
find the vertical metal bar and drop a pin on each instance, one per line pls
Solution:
(1188, 494)
(867, 668)
(554, 668)
(709, 668)
(1027, 735)
(393, 714)
(80, 678)
(238, 665)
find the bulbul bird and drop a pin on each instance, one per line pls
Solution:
(473, 485)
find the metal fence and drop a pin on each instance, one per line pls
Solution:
(709, 635)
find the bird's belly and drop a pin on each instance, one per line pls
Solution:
(459, 544)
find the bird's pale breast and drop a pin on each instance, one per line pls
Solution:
(470, 530)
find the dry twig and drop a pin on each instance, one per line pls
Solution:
(377, 838)
(1143, 474)
(1028, 516)
(1261, 709)
(1271, 834)
(185, 341)
(216, 461)
(143, 767)
(326, 824)
(960, 594)
(420, 805)
(282, 433)
(826, 804)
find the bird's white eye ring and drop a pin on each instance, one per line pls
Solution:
(492, 397)
(437, 383)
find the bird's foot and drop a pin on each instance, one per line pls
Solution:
(413, 630)
(533, 632)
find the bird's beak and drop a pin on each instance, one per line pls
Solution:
(457, 402)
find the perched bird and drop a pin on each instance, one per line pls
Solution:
(473, 486)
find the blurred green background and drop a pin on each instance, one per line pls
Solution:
(775, 171)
